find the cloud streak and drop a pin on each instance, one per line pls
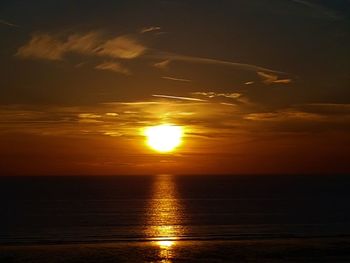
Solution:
(6, 23)
(114, 67)
(178, 98)
(326, 12)
(272, 79)
(162, 65)
(211, 94)
(200, 60)
(176, 79)
(150, 29)
(210, 97)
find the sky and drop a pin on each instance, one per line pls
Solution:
(259, 86)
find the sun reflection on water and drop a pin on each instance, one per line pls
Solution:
(165, 216)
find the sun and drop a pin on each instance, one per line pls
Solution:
(164, 138)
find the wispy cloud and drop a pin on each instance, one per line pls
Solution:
(211, 94)
(150, 29)
(326, 12)
(114, 67)
(232, 99)
(272, 78)
(307, 117)
(123, 47)
(51, 47)
(87, 43)
(327, 108)
(210, 97)
(42, 46)
(176, 79)
(203, 117)
(285, 115)
(89, 116)
(162, 65)
(201, 60)
(6, 23)
(178, 97)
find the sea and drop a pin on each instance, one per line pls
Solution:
(173, 218)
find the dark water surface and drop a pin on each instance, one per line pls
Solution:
(171, 213)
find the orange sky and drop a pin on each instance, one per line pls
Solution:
(108, 139)
(259, 86)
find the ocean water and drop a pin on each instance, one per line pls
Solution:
(167, 210)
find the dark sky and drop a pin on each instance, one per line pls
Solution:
(260, 86)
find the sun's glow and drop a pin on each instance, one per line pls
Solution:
(164, 138)
(165, 243)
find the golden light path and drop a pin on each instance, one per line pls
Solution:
(165, 216)
(164, 138)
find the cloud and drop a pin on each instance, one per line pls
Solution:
(201, 60)
(89, 116)
(227, 104)
(51, 47)
(284, 115)
(125, 47)
(94, 44)
(330, 115)
(231, 99)
(150, 29)
(83, 43)
(325, 12)
(211, 94)
(122, 47)
(228, 99)
(178, 97)
(272, 79)
(162, 65)
(42, 46)
(202, 117)
(330, 109)
(176, 79)
(6, 23)
(113, 66)
(111, 114)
